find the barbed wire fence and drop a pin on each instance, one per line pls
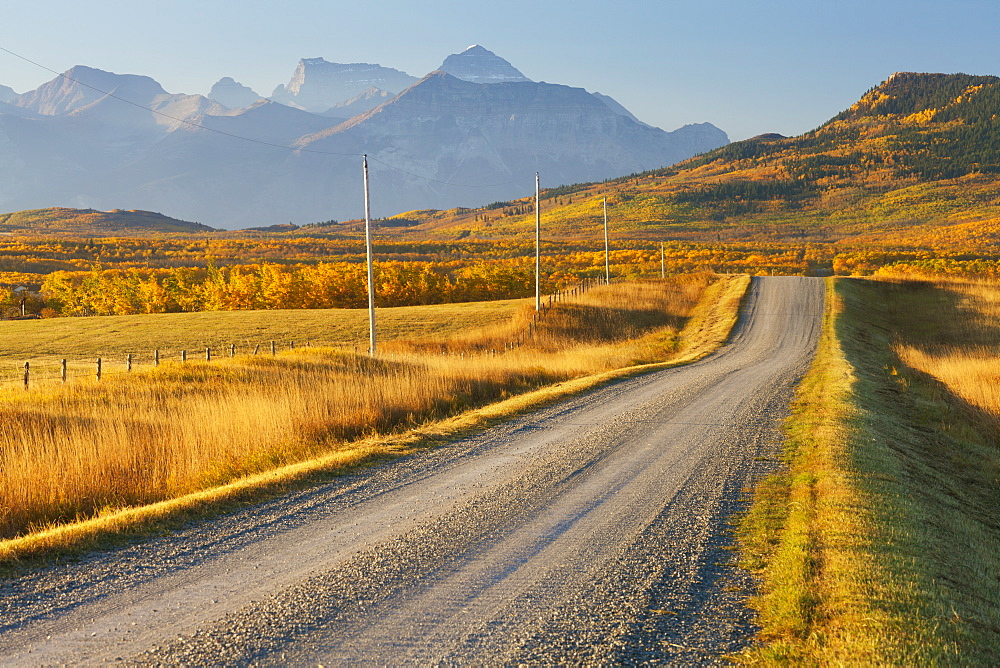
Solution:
(53, 370)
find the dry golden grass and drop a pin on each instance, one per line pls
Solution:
(71, 452)
(601, 315)
(81, 340)
(89, 450)
(972, 373)
(963, 355)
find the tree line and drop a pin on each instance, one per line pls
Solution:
(272, 286)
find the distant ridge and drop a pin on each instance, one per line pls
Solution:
(81, 86)
(459, 132)
(359, 104)
(88, 222)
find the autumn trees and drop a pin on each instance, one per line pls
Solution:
(103, 291)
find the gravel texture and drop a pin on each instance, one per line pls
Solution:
(591, 532)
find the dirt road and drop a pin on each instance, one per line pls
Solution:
(594, 531)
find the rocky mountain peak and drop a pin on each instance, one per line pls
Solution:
(231, 93)
(81, 86)
(7, 94)
(317, 85)
(480, 65)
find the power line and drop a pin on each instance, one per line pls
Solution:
(250, 139)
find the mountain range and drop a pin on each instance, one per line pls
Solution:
(472, 132)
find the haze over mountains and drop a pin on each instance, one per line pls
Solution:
(912, 164)
(318, 85)
(473, 132)
(231, 93)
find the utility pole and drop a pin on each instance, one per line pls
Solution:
(538, 250)
(663, 262)
(607, 248)
(371, 273)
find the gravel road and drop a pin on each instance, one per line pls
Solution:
(594, 531)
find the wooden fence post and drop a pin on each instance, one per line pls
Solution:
(257, 349)
(232, 350)
(27, 366)
(184, 356)
(128, 362)
(98, 368)
(272, 347)
(208, 354)
(156, 357)
(64, 371)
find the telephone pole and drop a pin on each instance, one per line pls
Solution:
(538, 250)
(371, 273)
(607, 248)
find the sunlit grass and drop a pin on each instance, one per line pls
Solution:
(81, 341)
(88, 448)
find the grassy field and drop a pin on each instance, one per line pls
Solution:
(81, 340)
(880, 544)
(89, 454)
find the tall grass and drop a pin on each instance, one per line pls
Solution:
(970, 372)
(962, 352)
(72, 452)
(604, 314)
(80, 450)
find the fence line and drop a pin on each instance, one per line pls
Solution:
(40, 370)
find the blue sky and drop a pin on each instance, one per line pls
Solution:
(747, 66)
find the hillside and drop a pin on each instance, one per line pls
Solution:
(87, 222)
(916, 154)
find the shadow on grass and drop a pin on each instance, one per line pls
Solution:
(928, 463)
